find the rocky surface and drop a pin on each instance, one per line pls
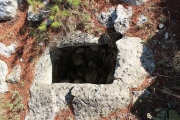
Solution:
(90, 101)
(7, 50)
(118, 18)
(135, 2)
(3, 73)
(38, 13)
(78, 38)
(14, 76)
(134, 62)
(8, 9)
(43, 69)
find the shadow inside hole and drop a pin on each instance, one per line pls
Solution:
(84, 64)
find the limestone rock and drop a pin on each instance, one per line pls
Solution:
(77, 38)
(43, 69)
(121, 24)
(118, 18)
(38, 14)
(8, 9)
(14, 76)
(134, 62)
(88, 101)
(3, 73)
(135, 2)
(107, 18)
(7, 50)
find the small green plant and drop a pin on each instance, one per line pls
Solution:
(36, 4)
(42, 27)
(55, 24)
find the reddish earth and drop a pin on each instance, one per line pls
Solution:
(17, 31)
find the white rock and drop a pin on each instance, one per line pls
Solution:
(141, 20)
(8, 9)
(121, 24)
(3, 73)
(118, 18)
(134, 62)
(14, 76)
(43, 69)
(7, 50)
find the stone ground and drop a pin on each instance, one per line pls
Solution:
(164, 87)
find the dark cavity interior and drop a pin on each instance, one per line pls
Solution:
(84, 64)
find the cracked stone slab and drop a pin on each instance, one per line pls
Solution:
(7, 50)
(3, 73)
(14, 76)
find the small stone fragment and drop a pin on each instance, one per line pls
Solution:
(7, 50)
(166, 36)
(141, 20)
(14, 76)
(161, 26)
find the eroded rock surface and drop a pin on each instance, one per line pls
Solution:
(14, 76)
(7, 50)
(8, 9)
(3, 73)
(134, 61)
(118, 18)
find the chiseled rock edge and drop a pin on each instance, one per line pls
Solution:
(79, 38)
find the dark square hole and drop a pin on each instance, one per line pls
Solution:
(84, 64)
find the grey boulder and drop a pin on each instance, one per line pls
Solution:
(8, 9)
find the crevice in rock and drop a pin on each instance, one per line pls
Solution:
(84, 64)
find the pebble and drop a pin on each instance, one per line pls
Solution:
(161, 26)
